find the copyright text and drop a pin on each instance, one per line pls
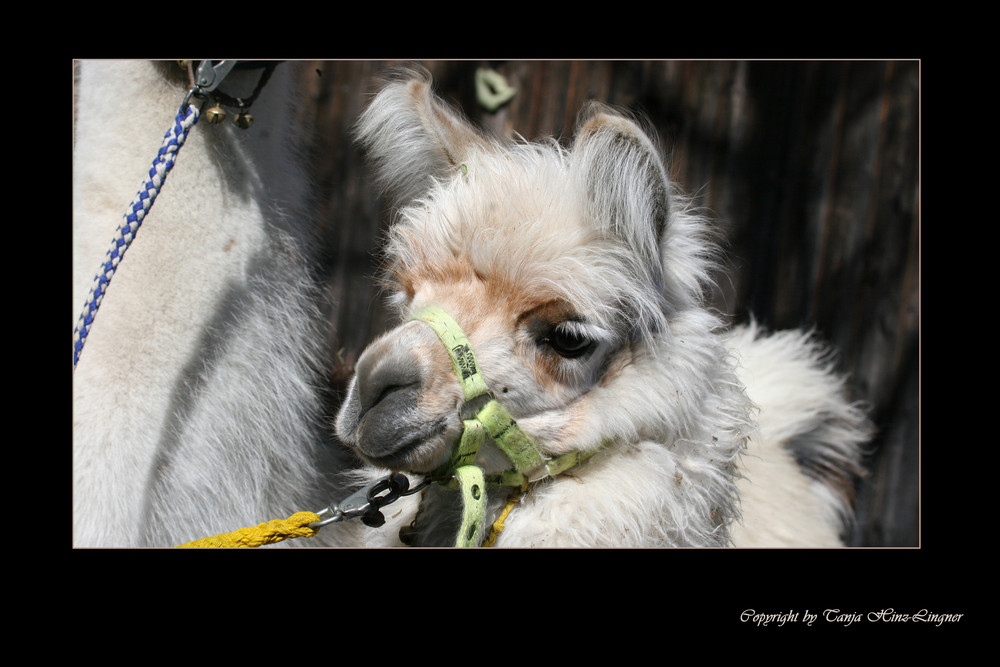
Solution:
(847, 618)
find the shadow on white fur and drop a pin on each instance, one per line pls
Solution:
(196, 406)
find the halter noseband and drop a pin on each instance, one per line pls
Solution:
(491, 420)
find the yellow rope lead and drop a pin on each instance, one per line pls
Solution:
(498, 525)
(296, 525)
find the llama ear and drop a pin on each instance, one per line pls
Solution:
(624, 178)
(412, 136)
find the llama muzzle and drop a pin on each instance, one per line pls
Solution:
(393, 416)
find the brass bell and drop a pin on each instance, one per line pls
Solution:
(215, 115)
(243, 120)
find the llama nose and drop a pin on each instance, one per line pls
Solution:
(386, 372)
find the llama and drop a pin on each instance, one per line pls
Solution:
(196, 400)
(575, 281)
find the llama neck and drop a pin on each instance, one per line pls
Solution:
(183, 411)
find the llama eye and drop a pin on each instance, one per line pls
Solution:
(568, 343)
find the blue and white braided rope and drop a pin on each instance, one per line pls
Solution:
(186, 118)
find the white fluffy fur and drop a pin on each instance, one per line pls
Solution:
(196, 409)
(713, 434)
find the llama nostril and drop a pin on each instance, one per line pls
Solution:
(367, 402)
(385, 376)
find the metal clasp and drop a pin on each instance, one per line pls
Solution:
(367, 501)
(208, 77)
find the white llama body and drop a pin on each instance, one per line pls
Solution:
(196, 408)
(577, 276)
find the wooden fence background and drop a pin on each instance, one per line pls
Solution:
(811, 168)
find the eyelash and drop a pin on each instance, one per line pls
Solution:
(568, 342)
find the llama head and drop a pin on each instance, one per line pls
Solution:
(560, 265)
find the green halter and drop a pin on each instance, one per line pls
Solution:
(491, 420)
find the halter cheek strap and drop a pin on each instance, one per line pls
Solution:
(459, 349)
(470, 478)
(493, 421)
